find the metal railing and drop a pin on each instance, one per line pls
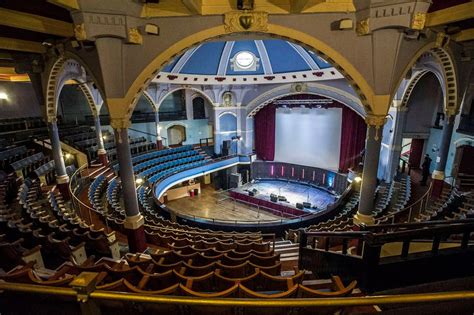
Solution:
(83, 293)
(77, 182)
(420, 205)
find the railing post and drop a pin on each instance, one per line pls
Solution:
(84, 284)
(303, 244)
(409, 215)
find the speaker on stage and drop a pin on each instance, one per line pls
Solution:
(235, 180)
(273, 197)
(307, 204)
(299, 206)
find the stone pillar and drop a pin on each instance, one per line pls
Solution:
(438, 174)
(101, 153)
(396, 150)
(188, 104)
(62, 179)
(159, 140)
(247, 136)
(134, 221)
(369, 174)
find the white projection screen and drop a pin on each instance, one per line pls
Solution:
(310, 137)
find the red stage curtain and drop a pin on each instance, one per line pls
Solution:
(353, 133)
(416, 152)
(264, 127)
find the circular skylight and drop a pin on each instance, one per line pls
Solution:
(244, 59)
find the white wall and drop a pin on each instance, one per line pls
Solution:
(310, 137)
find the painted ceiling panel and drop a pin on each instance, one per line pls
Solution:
(205, 59)
(284, 58)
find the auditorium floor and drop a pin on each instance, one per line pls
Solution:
(207, 205)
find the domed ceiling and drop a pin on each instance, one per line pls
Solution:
(247, 57)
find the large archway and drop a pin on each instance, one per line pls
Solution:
(354, 77)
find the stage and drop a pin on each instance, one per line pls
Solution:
(294, 192)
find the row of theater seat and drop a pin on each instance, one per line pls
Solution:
(452, 205)
(146, 168)
(15, 124)
(178, 166)
(46, 223)
(217, 283)
(155, 154)
(96, 189)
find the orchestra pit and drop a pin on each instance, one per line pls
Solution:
(237, 157)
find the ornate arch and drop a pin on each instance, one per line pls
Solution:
(411, 86)
(451, 106)
(174, 123)
(90, 98)
(446, 74)
(354, 77)
(201, 93)
(150, 100)
(312, 88)
(62, 69)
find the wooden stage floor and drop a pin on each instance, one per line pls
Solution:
(205, 206)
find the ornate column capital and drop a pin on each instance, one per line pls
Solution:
(120, 123)
(375, 120)
(244, 21)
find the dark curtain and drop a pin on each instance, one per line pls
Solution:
(416, 152)
(264, 126)
(353, 133)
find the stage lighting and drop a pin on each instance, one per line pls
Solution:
(358, 179)
(139, 181)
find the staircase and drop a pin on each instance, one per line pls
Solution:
(289, 251)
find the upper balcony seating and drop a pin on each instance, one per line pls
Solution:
(15, 124)
(159, 153)
(47, 221)
(12, 155)
(147, 165)
(96, 189)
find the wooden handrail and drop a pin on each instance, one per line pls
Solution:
(241, 302)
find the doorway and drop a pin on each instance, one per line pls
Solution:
(176, 135)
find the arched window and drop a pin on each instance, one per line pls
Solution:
(198, 108)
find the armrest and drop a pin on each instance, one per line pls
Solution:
(78, 254)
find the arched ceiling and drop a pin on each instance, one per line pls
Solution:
(274, 56)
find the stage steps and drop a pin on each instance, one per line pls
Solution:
(288, 250)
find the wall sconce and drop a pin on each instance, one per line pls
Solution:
(139, 181)
(3, 98)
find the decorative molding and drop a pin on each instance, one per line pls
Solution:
(419, 20)
(362, 27)
(120, 123)
(375, 120)
(80, 32)
(134, 36)
(441, 40)
(243, 21)
(133, 222)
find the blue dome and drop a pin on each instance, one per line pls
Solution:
(270, 56)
